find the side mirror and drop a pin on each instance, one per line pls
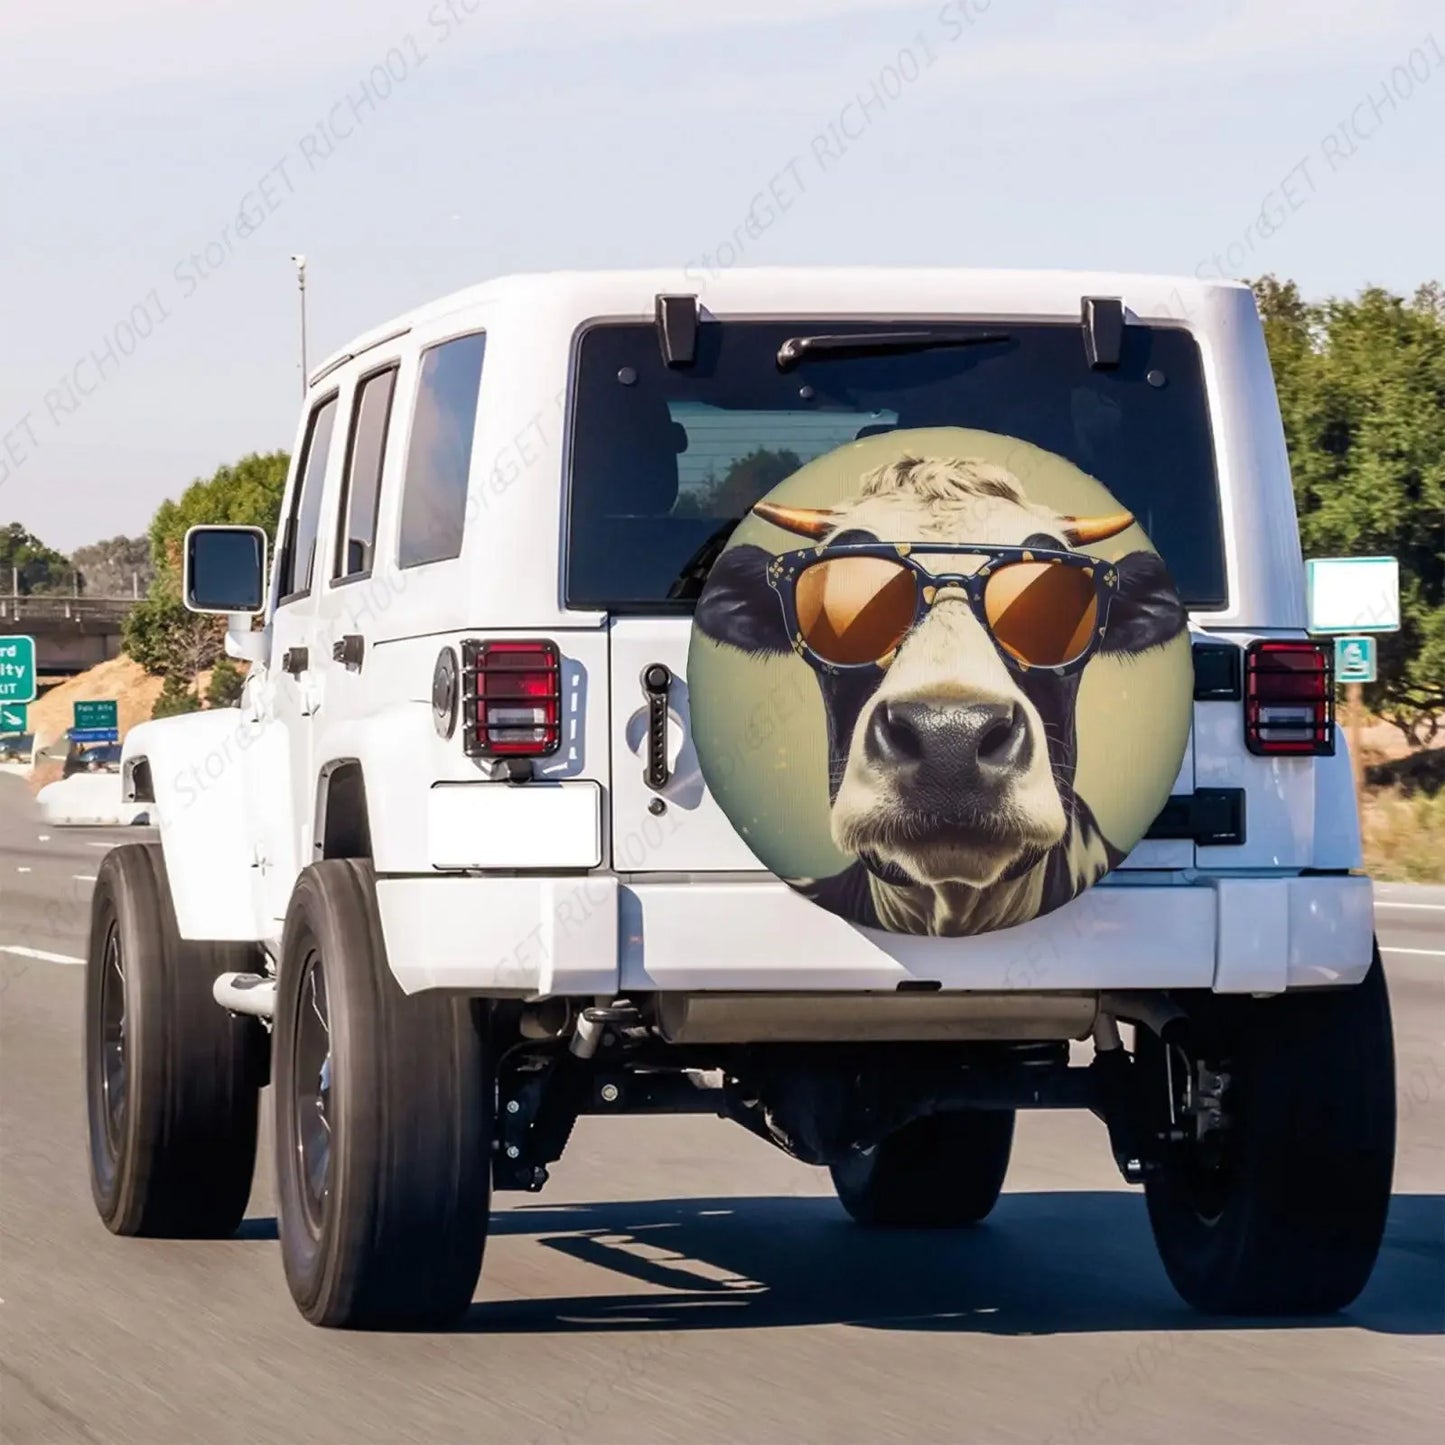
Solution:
(225, 570)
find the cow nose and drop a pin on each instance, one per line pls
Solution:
(941, 752)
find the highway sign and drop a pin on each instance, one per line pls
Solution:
(17, 669)
(13, 716)
(1354, 659)
(1353, 594)
(94, 735)
(91, 715)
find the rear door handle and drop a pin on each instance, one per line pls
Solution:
(656, 680)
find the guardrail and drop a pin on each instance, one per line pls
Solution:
(56, 609)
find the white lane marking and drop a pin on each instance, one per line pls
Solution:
(43, 838)
(22, 870)
(1422, 952)
(38, 954)
(1391, 903)
(83, 877)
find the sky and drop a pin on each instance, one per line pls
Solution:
(163, 159)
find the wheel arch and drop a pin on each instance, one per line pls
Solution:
(343, 821)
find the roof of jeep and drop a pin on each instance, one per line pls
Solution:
(804, 289)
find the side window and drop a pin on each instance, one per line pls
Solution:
(299, 537)
(439, 454)
(361, 483)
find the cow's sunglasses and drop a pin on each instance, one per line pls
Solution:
(851, 604)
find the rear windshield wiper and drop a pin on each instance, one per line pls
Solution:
(797, 349)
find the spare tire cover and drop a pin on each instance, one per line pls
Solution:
(940, 741)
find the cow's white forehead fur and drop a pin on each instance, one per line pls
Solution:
(952, 499)
(948, 661)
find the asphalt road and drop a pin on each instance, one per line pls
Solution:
(680, 1281)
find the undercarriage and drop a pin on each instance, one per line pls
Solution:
(822, 1102)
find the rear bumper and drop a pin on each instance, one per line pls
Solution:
(590, 935)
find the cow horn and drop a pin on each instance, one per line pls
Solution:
(805, 521)
(1095, 529)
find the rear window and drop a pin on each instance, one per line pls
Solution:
(665, 462)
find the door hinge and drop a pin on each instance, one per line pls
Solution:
(349, 651)
(1217, 672)
(1209, 817)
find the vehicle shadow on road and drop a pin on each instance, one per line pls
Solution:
(1044, 1263)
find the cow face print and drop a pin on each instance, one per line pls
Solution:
(949, 679)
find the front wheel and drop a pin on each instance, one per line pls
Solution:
(939, 1172)
(383, 1121)
(1281, 1211)
(172, 1079)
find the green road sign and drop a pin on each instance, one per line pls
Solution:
(1353, 594)
(13, 716)
(17, 669)
(1354, 659)
(97, 715)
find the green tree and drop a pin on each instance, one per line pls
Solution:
(227, 680)
(246, 493)
(1361, 386)
(176, 697)
(160, 633)
(28, 566)
(750, 478)
(165, 638)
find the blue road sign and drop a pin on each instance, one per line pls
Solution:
(1354, 659)
(94, 735)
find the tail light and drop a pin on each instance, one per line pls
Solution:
(1289, 698)
(511, 699)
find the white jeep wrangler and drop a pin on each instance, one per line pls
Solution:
(469, 861)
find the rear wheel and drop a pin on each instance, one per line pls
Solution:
(383, 1121)
(939, 1172)
(172, 1079)
(1282, 1210)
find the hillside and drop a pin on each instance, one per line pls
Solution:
(120, 680)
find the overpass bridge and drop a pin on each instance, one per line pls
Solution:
(71, 633)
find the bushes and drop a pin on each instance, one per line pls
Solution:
(1402, 835)
(227, 680)
(176, 698)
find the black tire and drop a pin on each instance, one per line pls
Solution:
(1288, 1218)
(939, 1172)
(172, 1079)
(383, 1166)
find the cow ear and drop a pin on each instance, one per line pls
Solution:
(1145, 611)
(738, 607)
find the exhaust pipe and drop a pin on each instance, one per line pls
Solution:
(246, 993)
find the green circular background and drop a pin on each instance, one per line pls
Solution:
(758, 722)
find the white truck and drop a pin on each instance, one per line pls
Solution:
(456, 871)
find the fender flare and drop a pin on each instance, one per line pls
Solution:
(202, 772)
